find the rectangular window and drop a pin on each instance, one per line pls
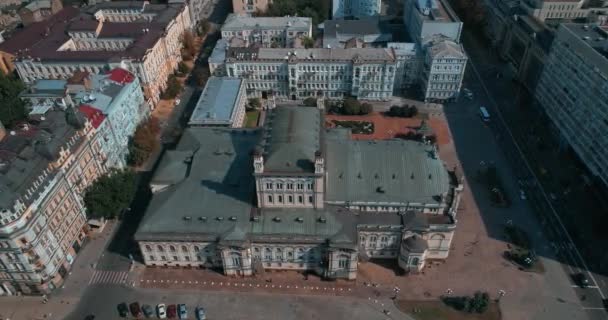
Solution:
(270, 198)
(280, 199)
(269, 186)
(290, 186)
(309, 199)
(300, 186)
(309, 186)
(290, 199)
(300, 199)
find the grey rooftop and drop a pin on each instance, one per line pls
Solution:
(235, 22)
(216, 103)
(324, 54)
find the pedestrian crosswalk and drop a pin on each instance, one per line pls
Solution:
(102, 276)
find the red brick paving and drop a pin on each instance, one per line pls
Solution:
(390, 127)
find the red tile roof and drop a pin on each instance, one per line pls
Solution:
(121, 76)
(94, 115)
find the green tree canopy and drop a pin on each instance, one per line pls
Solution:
(173, 88)
(351, 106)
(110, 194)
(12, 108)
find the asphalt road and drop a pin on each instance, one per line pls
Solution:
(102, 301)
(487, 93)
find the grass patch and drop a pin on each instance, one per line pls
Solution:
(251, 118)
(437, 310)
(357, 127)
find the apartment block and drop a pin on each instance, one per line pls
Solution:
(46, 164)
(425, 18)
(250, 6)
(115, 106)
(276, 32)
(355, 8)
(365, 73)
(573, 92)
(221, 104)
(444, 63)
(409, 63)
(140, 37)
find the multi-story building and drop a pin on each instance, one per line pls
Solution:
(562, 9)
(573, 92)
(369, 32)
(276, 32)
(425, 18)
(46, 165)
(250, 6)
(365, 73)
(409, 63)
(196, 8)
(115, 105)
(355, 8)
(39, 10)
(444, 62)
(137, 36)
(295, 196)
(221, 104)
(47, 93)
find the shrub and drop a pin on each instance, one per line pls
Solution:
(310, 101)
(255, 103)
(366, 108)
(182, 68)
(478, 303)
(351, 106)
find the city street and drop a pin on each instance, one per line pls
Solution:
(556, 244)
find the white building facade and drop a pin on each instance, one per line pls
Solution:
(443, 69)
(276, 32)
(333, 73)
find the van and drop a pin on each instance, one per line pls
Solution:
(485, 115)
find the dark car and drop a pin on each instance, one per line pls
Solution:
(135, 309)
(171, 311)
(581, 280)
(89, 317)
(147, 310)
(123, 310)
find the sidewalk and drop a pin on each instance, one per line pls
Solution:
(63, 300)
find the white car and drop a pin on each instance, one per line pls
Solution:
(468, 93)
(200, 313)
(177, 101)
(161, 309)
(522, 194)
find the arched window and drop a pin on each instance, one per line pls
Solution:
(160, 248)
(236, 259)
(172, 248)
(362, 239)
(268, 254)
(148, 248)
(343, 261)
(184, 249)
(197, 249)
(415, 261)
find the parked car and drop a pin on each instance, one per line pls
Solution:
(147, 310)
(135, 309)
(89, 317)
(581, 280)
(200, 313)
(177, 101)
(171, 311)
(183, 311)
(123, 310)
(468, 93)
(161, 310)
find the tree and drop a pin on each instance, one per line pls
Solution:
(201, 74)
(393, 111)
(143, 142)
(310, 101)
(366, 108)
(188, 42)
(351, 106)
(173, 88)
(255, 103)
(203, 27)
(110, 194)
(308, 42)
(183, 68)
(412, 111)
(12, 108)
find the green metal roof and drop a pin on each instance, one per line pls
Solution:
(291, 139)
(394, 171)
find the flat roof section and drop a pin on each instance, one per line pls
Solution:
(216, 104)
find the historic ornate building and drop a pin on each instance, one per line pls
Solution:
(297, 196)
